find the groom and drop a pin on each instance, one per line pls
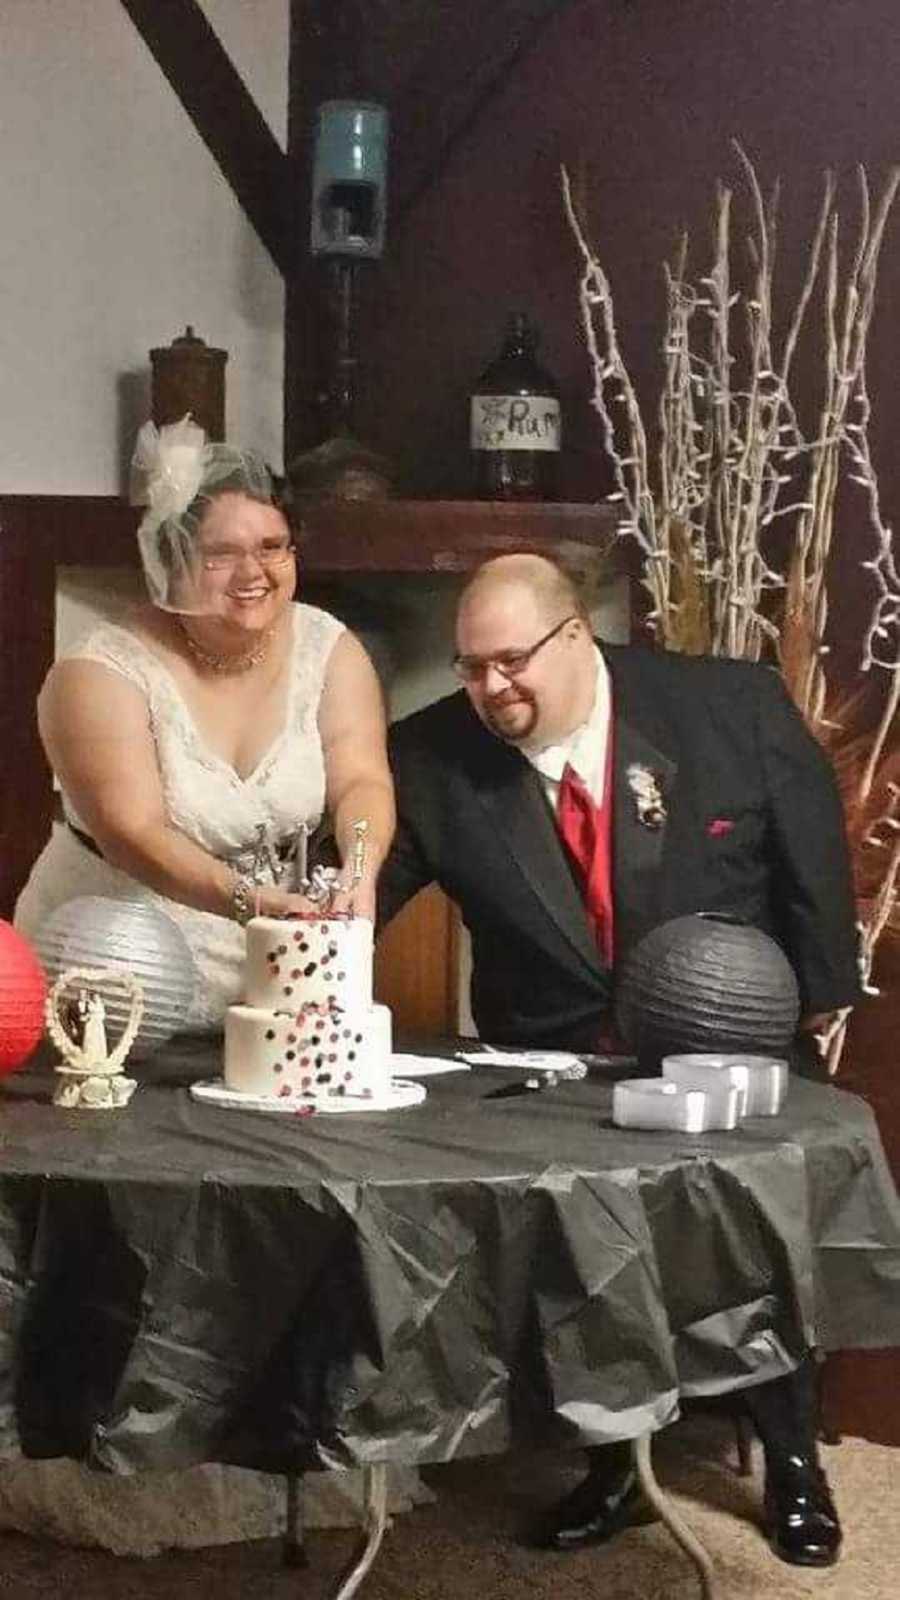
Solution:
(570, 799)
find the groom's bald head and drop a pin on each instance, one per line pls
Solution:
(524, 650)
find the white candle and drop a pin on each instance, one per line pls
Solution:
(300, 856)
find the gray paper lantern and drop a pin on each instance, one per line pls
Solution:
(92, 931)
(707, 983)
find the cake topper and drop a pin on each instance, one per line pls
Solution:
(322, 884)
(357, 865)
(265, 856)
(301, 854)
(93, 1074)
(319, 885)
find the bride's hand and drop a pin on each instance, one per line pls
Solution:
(347, 900)
(275, 902)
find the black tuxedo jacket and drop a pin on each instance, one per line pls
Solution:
(753, 826)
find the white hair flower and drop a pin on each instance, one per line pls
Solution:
(176, 472)
(172, 461)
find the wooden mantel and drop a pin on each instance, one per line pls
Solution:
(40, 533)
(339, 537)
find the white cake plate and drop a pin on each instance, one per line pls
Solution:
(398, 1097)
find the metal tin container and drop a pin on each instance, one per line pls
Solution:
(659, 1103)
(707, 1071)
(767, 1081)
(760, 1080)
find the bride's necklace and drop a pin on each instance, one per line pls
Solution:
(231, 662)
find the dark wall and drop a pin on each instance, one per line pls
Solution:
(644, 96)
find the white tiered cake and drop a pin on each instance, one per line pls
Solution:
(308, 1030)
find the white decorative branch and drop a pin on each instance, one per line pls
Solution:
(733, 463)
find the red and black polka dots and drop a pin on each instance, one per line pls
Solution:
(308, 1029)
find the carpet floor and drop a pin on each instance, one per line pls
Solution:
(466, 1545)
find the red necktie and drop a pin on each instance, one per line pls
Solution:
(586, 830)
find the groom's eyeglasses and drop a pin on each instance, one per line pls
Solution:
(509, 663)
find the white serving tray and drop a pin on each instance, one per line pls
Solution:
(410, 1066)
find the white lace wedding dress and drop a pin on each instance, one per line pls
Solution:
(207, 800)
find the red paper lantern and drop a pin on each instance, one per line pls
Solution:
(23, 990)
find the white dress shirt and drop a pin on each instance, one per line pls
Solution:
(584, 749)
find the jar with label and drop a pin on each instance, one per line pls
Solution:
(189, 377)
(515, 422)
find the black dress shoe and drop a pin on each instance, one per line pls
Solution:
(801, 1520)
(594, 1511)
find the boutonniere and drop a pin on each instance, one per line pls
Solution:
(646, 786)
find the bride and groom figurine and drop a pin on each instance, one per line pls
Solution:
(84, 1019)
(90, 1073)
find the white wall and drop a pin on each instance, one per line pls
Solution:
(116, 230)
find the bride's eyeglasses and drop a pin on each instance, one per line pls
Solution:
(269, 556)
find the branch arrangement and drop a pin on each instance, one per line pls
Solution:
(733, 506)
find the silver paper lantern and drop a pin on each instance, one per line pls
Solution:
(92, 931)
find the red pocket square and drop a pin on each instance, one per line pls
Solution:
(719, 826)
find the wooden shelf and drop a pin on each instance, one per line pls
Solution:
(72, 530)
(435, 536)
(340, 537)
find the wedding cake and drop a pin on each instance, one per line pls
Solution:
(308, 1030)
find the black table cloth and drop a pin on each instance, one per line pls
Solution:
(181, 1283)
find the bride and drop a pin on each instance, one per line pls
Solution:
(191, 745)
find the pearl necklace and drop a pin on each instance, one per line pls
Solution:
(229, 663)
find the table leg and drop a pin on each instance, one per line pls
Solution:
(293, 1553)
(375, 1513)
(743, 1436)
(673, 1521)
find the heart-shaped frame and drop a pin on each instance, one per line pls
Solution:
(71, 1051)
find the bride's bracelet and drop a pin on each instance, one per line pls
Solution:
(244, 896)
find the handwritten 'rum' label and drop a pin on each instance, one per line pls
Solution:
(515, 422)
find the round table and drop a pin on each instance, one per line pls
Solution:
(184, 1283)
